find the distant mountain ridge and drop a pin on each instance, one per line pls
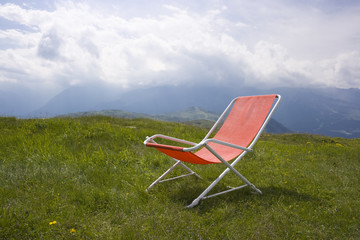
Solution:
(192, 115)
(189, 114)
(326, 111)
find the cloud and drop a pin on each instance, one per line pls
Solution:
(49, 45)
(253, 43)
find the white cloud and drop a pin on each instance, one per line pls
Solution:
(269, 45)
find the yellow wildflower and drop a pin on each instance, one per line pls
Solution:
(72, 230)
(52, 223)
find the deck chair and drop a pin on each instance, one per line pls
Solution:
(239, 128)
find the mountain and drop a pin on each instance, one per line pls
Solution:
(190, 114)
(327, 111)
(78, 99)
(165, 99)
(17, 103)
(193, 115)
(110, 113)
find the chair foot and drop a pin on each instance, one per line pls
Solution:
(256, 189)
(194, 203)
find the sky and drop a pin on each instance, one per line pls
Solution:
(48, 46)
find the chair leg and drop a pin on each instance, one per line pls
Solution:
(177, 162)
(229, 167)
(242, 177)
(163, 175)
(188, 169)
(203, 194)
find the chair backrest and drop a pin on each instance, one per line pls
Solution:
(245, 119)
(243, 123)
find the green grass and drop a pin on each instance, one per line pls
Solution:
(85, 178)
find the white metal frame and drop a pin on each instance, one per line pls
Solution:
(204, 143)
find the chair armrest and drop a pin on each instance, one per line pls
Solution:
(151, 139)
(155, 145)
(151, 143)
(227, 144)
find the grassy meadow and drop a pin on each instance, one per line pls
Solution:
(85, 178)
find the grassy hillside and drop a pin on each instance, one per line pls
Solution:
(85, 178)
